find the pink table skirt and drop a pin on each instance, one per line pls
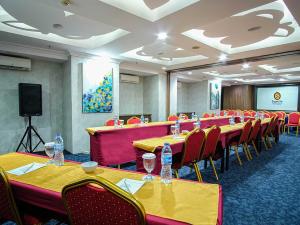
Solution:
(52, 201)
(115, 146)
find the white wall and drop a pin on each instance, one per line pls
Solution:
(131, 98)
(151, 95)
(75, 122)
(182, 97)
(12, 126)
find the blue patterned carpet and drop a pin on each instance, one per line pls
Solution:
(264, 191)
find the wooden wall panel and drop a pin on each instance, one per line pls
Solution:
(238, 97)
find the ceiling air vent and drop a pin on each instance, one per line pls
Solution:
(130, 79)
(14, 63)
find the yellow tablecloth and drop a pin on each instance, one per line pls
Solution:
(184, 201)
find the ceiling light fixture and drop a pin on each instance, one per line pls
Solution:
(245, 65)
(162, 36)
(66, 2)
(223, 57)
(179, 49)
(190, 73)
(196, 47)
(57, 26)
(164, 68)
(254, 28)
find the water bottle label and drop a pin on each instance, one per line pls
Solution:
(167, 160)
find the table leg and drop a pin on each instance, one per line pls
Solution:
(227, 157)
(222, 163)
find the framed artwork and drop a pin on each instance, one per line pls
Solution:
(97, 88)
(214, 95)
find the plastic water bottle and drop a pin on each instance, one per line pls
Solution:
(193, 116)
(59, 150)
(166, 164)
(177, 128)
(116, 120)
(142, 119)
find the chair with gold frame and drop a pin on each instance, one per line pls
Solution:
(242, 141)
(134, 120)
(253, 135)
(190, 154)
(210, 145)
(206, 115)
(173, 118)
(266, 133)
(8, 207)
(99, 201)
(293, 121)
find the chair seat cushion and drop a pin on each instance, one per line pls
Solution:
(292, 125)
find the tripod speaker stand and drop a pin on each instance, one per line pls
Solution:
(28, 143)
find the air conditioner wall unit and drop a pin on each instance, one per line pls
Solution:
(130, 79)
(14, 63)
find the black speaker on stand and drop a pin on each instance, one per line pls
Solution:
(30, 104)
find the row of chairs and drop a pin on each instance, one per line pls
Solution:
(199, 147)
(86, 201)
(131, 120)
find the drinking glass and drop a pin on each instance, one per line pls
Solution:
(121, 123)
(173, 130)
(196, 125)
(146, 120)
(149, 164)
(49, 149)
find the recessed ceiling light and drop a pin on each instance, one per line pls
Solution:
(254, 28)
(281, 79)
(57, 26)
(179, 49)
(245, 65)
(143, 53)
(196, 47)
(66, 2)
(160, 53)
(162, 36)
(223, 57)
(190, 73)
(164, 68)
(235, 82)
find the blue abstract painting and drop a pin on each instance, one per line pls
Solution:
(97, 88)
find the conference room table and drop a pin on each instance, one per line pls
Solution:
(155, 145)
(182, 202)
(113, 146)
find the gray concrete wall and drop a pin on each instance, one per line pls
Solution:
(131, 98)
(12, 126)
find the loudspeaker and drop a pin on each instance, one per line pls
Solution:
(30, 99)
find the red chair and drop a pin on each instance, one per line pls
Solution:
(230, 113)
(212, 115)
(253, 113)
(281, 117)
(222, 112)
(247, 114)
(210, 146)
(206, 115)
(190, 154)
(265, 135)
(293, 121)
(184, 116)
(134, 120)
(111, 122)
(267, 115)
(91, 202)
(253, 135)
(274, 125)
(173, 118)
(8, 207)
(242, 140)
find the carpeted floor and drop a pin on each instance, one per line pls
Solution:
(264, 191)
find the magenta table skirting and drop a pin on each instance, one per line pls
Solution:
(112, 147)
(52, 201)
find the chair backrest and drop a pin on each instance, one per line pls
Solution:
(8, 208)
(230, 113)
(253, 113)
(245, 132)
(254, 130)
(193, 146)
(173, 118)
(274, 123)
(92, 202)
(205, 115)
(269, 127)
(294, 118)
(280, 115)
(212, 115)
(211, 141)
(267, 115)
(222, 112)
(110, 122)
(134, 120)
(185, 117)
(246, 113)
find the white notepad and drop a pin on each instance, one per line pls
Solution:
(130, 185)
(26, 169)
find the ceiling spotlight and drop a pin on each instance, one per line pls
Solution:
(66, 2)
(195, 47)
(143, 53)
(164, 68)
(245, 65)
(179, 49)
(57, 26)
(281, 79)
(254, 28)
(190, 73)
(223, 57)
(162, 36)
